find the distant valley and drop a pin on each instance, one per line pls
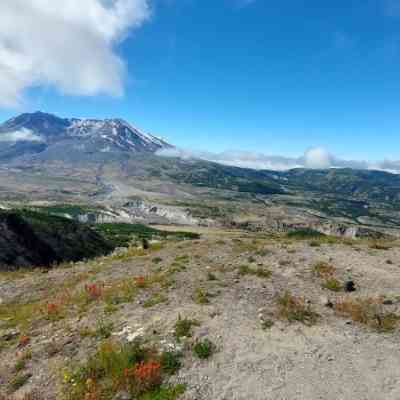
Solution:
(113, 167)
(112, 253)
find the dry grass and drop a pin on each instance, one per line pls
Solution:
(246, 246)
(380, 245)
(332, 284)
(369, 312)
(17, 314)
(133, 251)
(295, 309)
(156, 298)
(327, 273)
(28, 396)
(260, 272)
(323, 269)
(183, 327)
(201, 296)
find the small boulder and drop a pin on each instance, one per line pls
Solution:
(325, 301)
(122, 395)
(349, 286)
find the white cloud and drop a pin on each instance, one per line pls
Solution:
(22, 134)
(317, 157)
(313, 158)
(69, 44)
(237, 158)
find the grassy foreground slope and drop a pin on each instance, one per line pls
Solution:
(230, 315)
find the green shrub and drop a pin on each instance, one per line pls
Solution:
(306, 233)
(183, 327)
(332, 284)
(18, 381)
(106, 371)
(20, 365)
(122, 234)
(201, 296)
(154, 300)
(260, 272)
(164, 393)
(104, 329)
(203, 349)
(171, 362)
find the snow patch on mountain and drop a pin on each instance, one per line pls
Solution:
(93, 135)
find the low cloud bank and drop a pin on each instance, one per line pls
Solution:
(313, 158)
(20, 135)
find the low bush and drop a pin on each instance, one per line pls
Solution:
(103, 330)
(132, 367)
(183, 327)
(18, 381)
(22, 358)
(154, 300)
(323, 269)
(332, 284)
(201, 296)
(259, 271)
(369, 312)
(203, 348)
(295, 309)
(306, 233)
(170, 362)
(164, 393)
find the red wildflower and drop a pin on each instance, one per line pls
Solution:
(93, 290)
(52, 308)
(140, 281)
(143, 377)
(23, 341)
(147, 370)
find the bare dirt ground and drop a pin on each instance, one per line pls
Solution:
(323, 343)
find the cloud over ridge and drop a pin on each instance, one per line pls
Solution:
(67, 44)
(313, 158)
(20, 135)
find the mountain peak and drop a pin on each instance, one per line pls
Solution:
(89, 135)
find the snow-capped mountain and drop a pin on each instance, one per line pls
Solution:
(37, 133)
(115, 132)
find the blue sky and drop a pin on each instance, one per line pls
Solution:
(266, 76)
